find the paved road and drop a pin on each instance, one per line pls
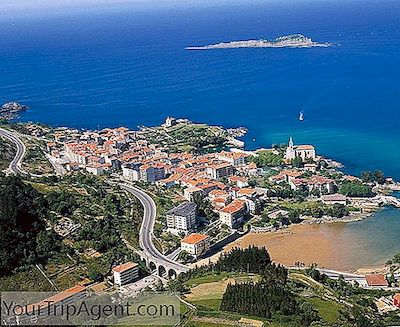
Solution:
(15, 165)
(146, 231)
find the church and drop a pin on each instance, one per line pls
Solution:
(302, 151)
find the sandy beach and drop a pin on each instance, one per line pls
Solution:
(362, 246)
(296, 243)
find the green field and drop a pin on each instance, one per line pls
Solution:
(29, 280)
(205, 324)
(208, 279)
(212, 304)
(328, 310)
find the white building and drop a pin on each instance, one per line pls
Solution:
(191, 192)
(125, 273)
(236, 159)
(149, 173)
(182, 218)
(195, 244)
(50, 306)
(234, 213)
(334, 199)
(170, 121)
(96, 169)
(302, 151)
(221, 170)
(131, 172)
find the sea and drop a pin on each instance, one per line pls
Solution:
(126, 65)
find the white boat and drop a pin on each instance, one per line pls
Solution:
(301, 116)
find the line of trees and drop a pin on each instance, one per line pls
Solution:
(250, 260)
(267, 159)
(267, 298)
(356, 189)
(376, 176)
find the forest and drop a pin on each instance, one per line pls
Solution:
(23, 238)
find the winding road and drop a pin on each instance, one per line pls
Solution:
(15, 165)
(146, 232)
(150, 252)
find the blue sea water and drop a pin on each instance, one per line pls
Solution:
(127, 66)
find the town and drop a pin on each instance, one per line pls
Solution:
(210, 191)
(219, 190)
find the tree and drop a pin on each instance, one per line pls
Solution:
(95, 272)
(184, 256)
(46, 243)
(177, 285)
(22, 213)
(356, 189)
(204, 207)
(367, 176)
(294, 216)
(297, 162)
(267, 159)
(337, 210)
(379, 176)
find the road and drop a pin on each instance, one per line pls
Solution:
(146, 231)
(15, 165)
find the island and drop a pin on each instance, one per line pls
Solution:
(287, 41)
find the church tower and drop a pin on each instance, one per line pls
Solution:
(291, 144)
(290, 150)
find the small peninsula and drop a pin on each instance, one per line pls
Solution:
(10, 110)
(287, 41)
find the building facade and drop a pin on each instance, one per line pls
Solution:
(195, 244)
(182, 218)
(125, 273)
(233, 214)
(302, 151)
(219, 171)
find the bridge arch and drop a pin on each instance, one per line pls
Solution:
(152, 266)
(161, 271)
(172, 273)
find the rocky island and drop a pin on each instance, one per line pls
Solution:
(10, 110)
(288, 41)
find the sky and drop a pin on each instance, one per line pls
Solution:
(14, 9)
(28, 5)
(44, 7)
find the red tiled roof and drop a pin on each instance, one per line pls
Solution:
(305, 147)
(59, 297)
(194, 238)
(376, 280)
(234, 206)
(124, 267)
(247, 191)
(291, 173)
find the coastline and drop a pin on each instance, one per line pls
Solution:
(305, 243)
(284, 251)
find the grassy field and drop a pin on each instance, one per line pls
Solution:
(208, 279)
(206, 324)
(207, 292)
(328, 310)
(187, 137)
(35, 160)
(29, 280)
(212, 304)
